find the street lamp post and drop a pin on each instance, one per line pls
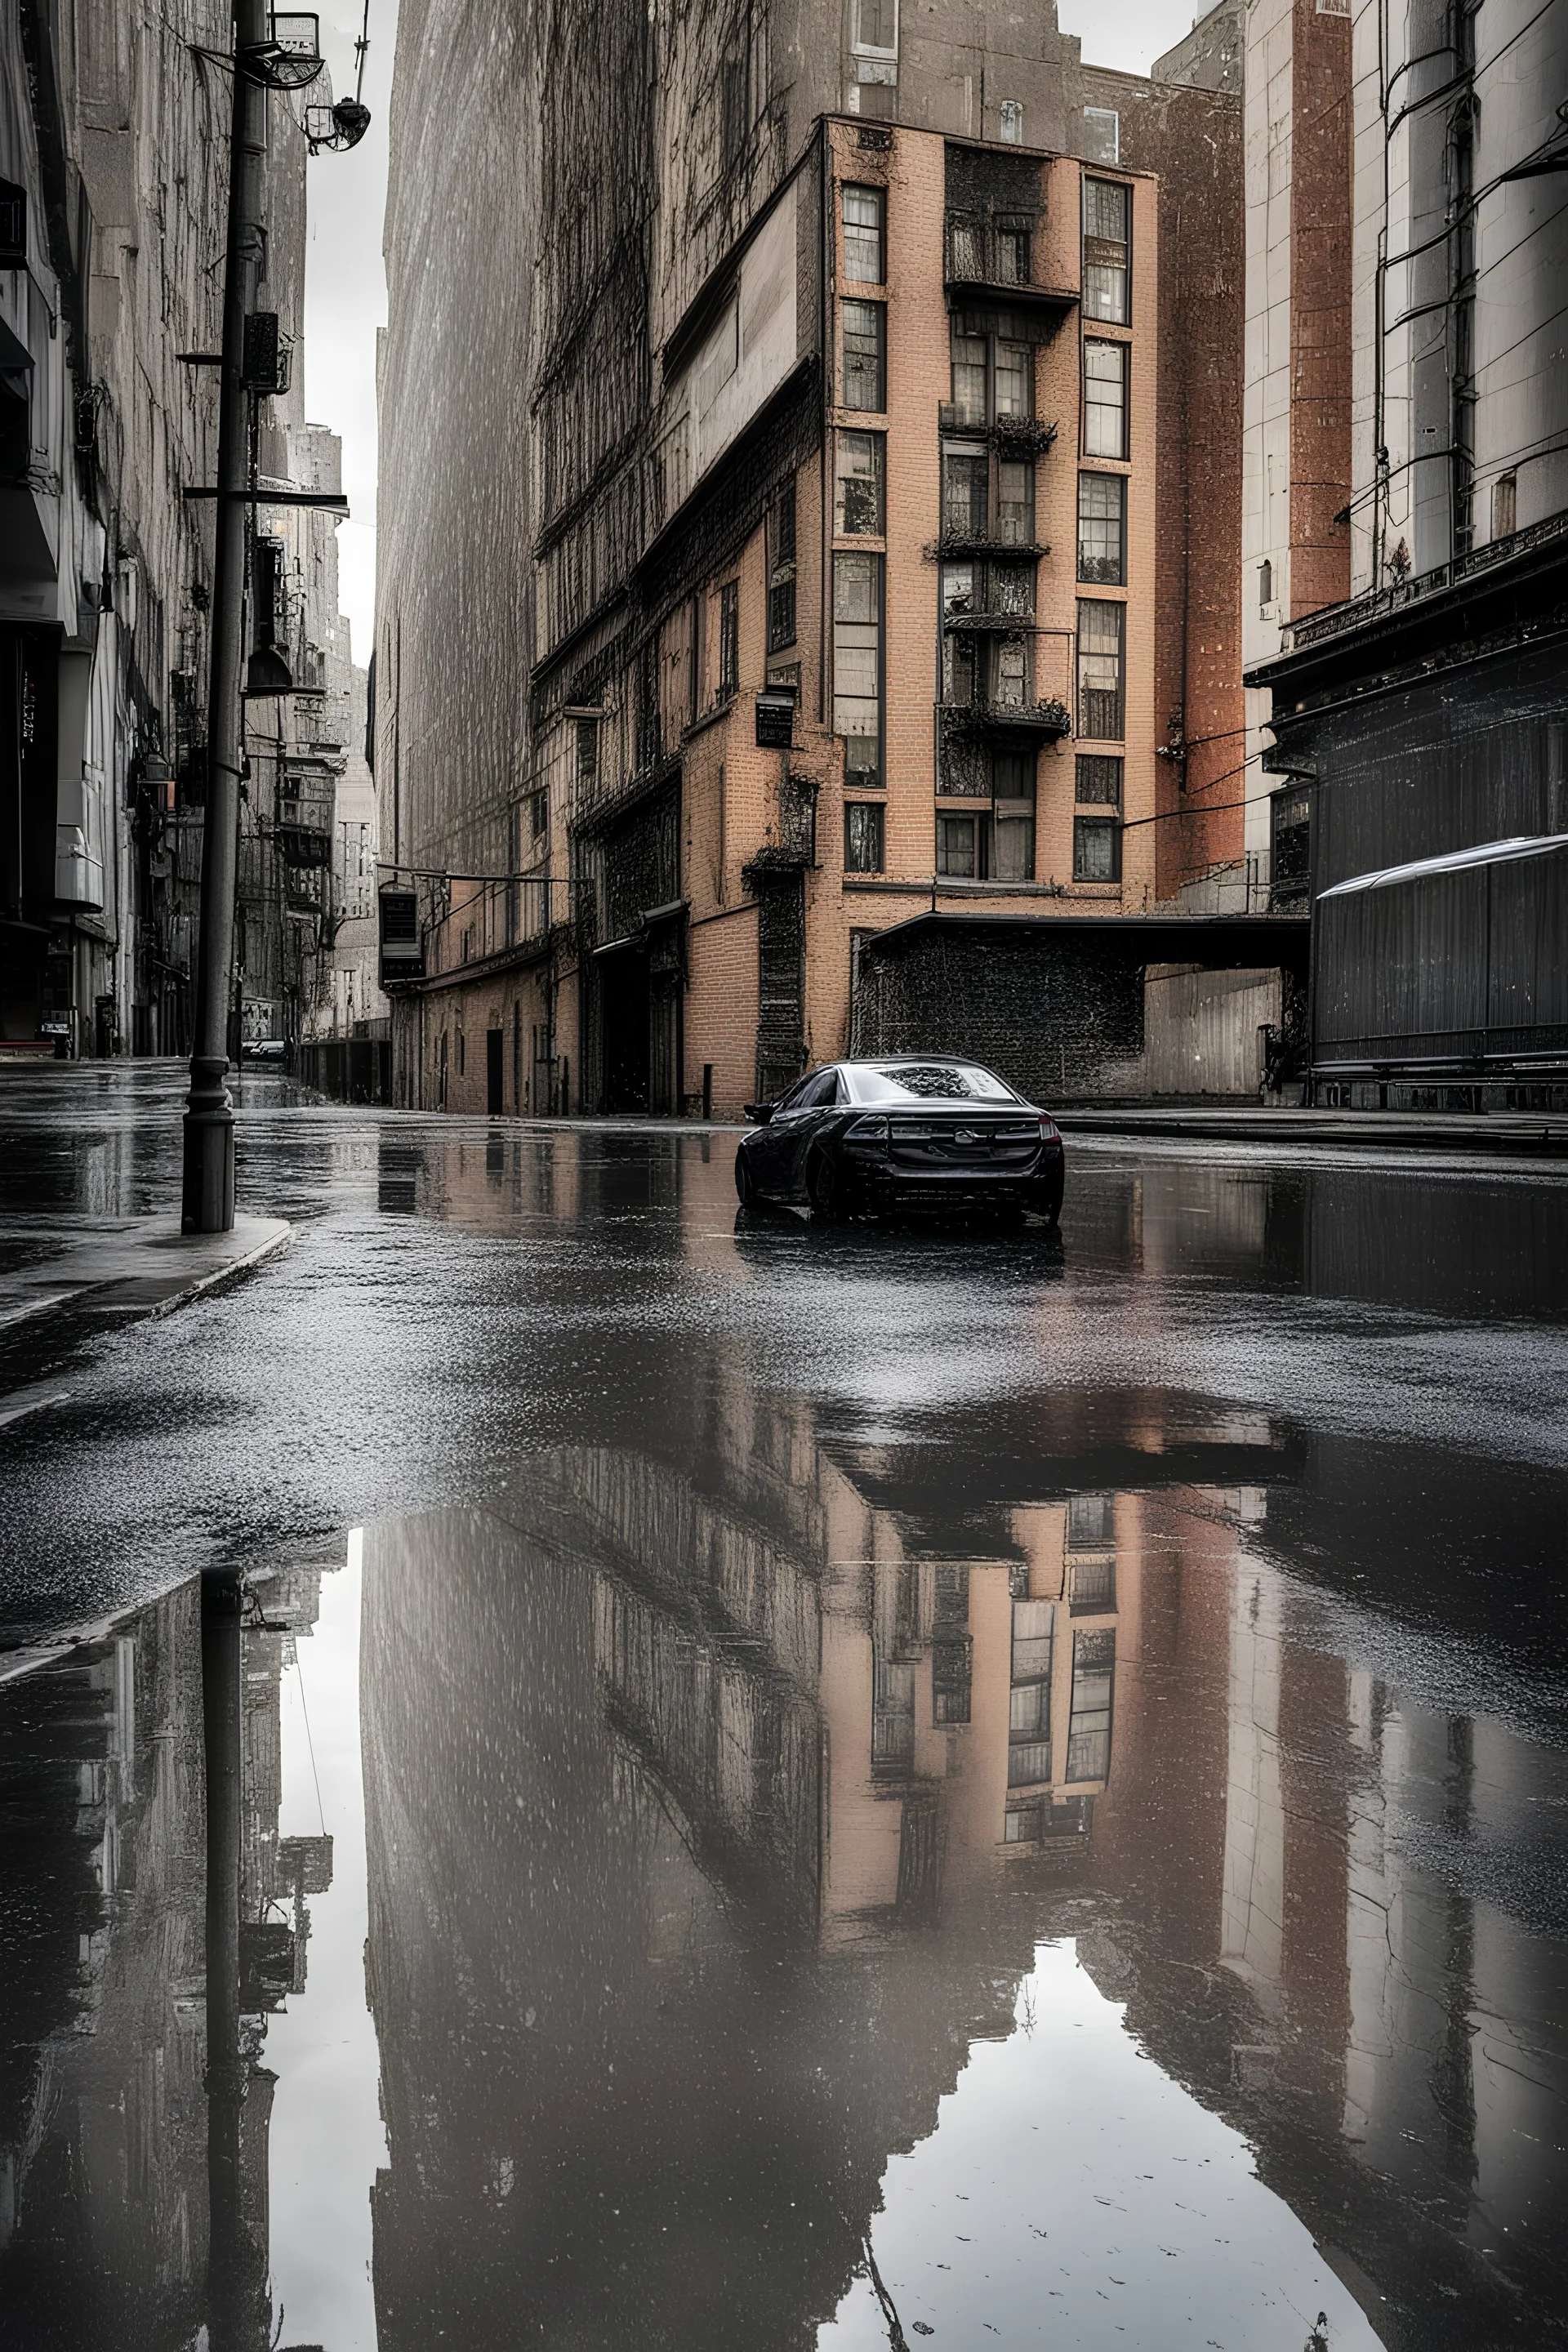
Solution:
(208, 1196)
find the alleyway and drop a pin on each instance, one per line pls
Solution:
(803, 1787)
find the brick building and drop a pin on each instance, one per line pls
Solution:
(870, 573)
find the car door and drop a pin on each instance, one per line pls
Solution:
(771, 1146)
(812, 1100)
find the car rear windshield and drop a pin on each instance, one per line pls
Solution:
(930, 1082)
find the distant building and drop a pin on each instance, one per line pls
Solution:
(877, 547)
(1417, 703)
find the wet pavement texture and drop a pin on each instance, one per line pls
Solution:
(802, 1787)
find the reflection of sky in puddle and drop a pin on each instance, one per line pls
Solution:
(1073, 2194)
(327, 2138)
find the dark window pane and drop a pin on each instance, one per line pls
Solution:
(1096, 849)
(1099, 779)
(965, 485)
(865, 355)
(863, 836)
(955, 846)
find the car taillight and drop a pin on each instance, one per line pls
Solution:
(1047, 1130)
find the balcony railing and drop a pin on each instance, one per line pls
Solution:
(1047, 721)
(1340, 620)
(1014, 436)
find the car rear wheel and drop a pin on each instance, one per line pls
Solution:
(824, 1188)
(745, 1185)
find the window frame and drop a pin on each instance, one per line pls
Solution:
(1106, 343)
(860, 780)
(1085, 733)
(781, 575)
(847, 303)
(727, 681)
(878, 195)
(1097, 579)
(866, 810)
(1091, 180)
(1084, 829)
(879, 476)
(1083, 799)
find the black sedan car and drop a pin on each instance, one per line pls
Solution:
(911, 1131)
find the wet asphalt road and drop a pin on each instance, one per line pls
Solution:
(860, 1764)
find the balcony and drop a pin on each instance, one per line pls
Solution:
(1014, 436)
(1048, 721)
(996, 597)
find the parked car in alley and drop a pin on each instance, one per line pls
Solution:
(915, 1131)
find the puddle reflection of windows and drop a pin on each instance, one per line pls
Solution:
(1088, 1726)
(1029, 1710)
(892, 1714)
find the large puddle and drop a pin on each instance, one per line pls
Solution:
(722, 1892)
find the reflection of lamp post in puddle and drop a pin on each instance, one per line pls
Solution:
(230, 2264)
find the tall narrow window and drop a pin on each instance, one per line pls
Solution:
(1015, 380)
(969, 379)
(1088, 1724)
(866, 355)
(1099, 635)
(858, 510)
(1106, 220)
(1029, 1713)
(1012, 257)
(965, 484)
(1505, 506)
(1102, 528)
(863, 836)
(730, 638)
(1105, 400)
(1265, 584)
(857, 667)
(1014, 501)
(781, 573)
(955, 847)
(864, 261)
(587, 757)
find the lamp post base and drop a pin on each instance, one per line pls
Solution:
(208, 1200)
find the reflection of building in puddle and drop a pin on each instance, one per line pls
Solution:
(103, 2111)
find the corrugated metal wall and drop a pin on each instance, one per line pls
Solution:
(1465, 967)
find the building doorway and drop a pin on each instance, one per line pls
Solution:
(625, 997)
(495, 1047)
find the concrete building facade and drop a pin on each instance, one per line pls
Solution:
(857, 504)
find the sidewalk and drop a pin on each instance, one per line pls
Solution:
(1506, 1135)
(102, 1275)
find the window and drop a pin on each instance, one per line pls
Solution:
(1029, 1712)
(865, 355)
(781, 573)
(539, 815)
(1102, 528)
(1096, 849)
(587, 757)
(1012, 257)
(892, 1713)
(877, 26)
(1105, 400)
(863, 220)
(1100, 629)
(1107, 216)
(1012, 128)
(729, 639)
(1094, 1587)
(1091, 1522)
(1015, 380)
(1103, 134)
(1098, 780)
(965, 485)
(955, 846)
(1010, 678)
(857, 503)
(1265, 585)
(1021, 1824)
(969, 379)
(1505, 506)
(1014, 501)
(1089, 1724)
(863, 836)
(997, 847)
(857, 666)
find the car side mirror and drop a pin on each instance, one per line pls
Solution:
(760, 1113)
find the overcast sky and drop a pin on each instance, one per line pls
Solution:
(345, 292)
